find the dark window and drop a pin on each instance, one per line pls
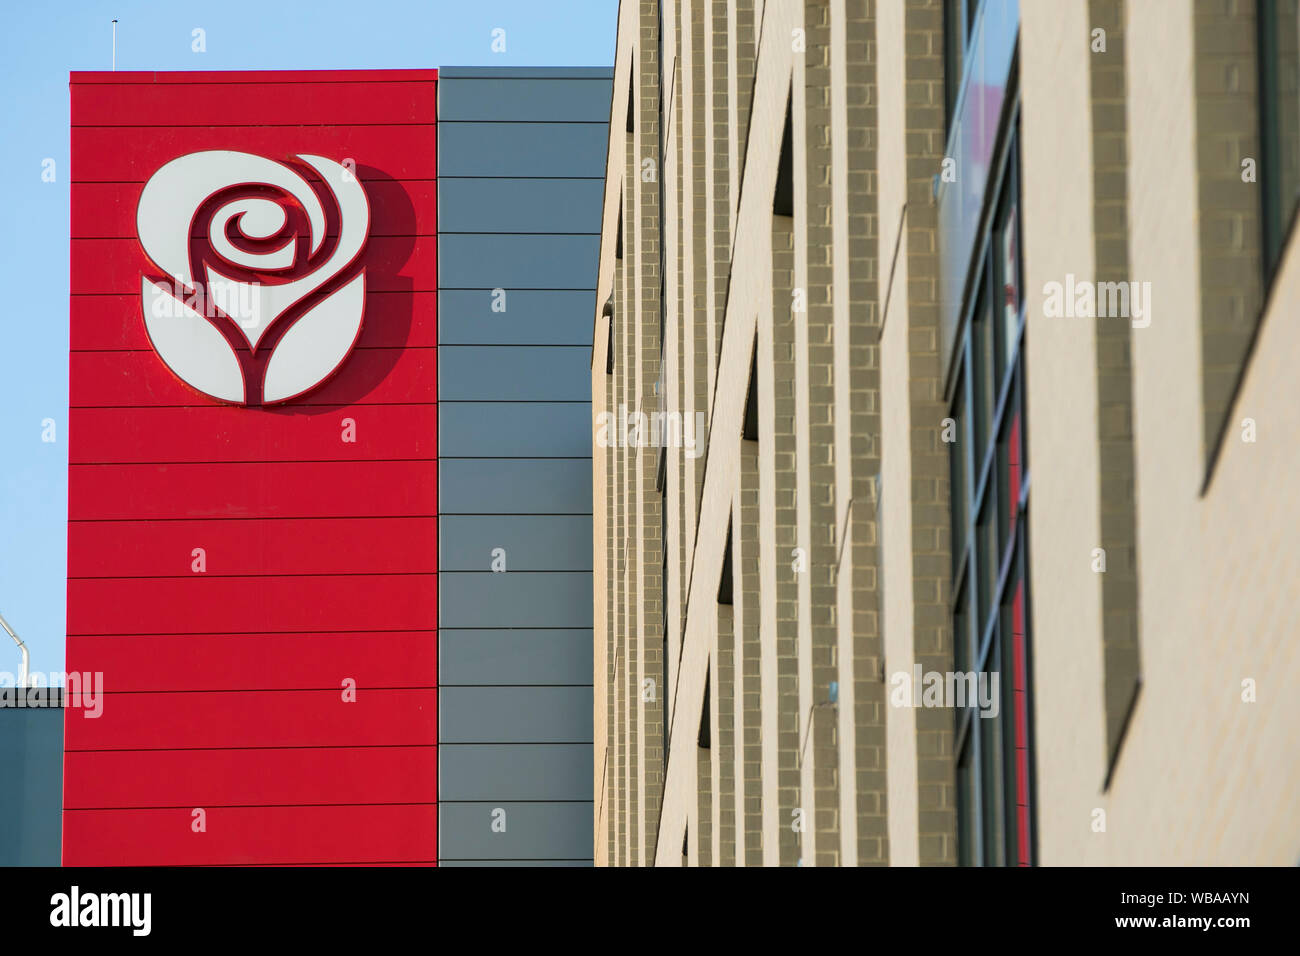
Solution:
(959, 439)
(726, 582)
(749, 430)
(705, 737)
(783, 200)
(618, 238)
(662, 693)
(1278, 23)
(608, 313)
(967, 808)
(658, 223)
(958, 21)
(989, 494)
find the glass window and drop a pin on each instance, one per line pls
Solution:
(1011, 693)
(1279, 109)
(967, 811)
(954, 50)
(1015, 696)
(983, 378)
(958, 26)
(1008, 269)
(986, 565)
(988, 468)
(993, 759)
(961, 636)
(1008, 471)
(957, 451)
(1023, 413)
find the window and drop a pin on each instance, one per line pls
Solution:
(618, 239)
(783, 200)
(749, 425)
(958, 21)
(705, 736)
(989, 495)
(1278, 23)
(607, 311)
(662, 691)
(726, 582)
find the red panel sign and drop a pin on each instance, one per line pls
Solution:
(252, 540)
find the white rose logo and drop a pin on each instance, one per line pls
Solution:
(260, 296)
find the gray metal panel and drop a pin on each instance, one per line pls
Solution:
(517, 262)
(527, 542)
(586, 862)
(514, 772)
(514, 715)
(31, 786)
(526, 99)
(520, 205)
(513, 72)
(538, 831)
(515, 656)
(518, 485)
(519, 210)
(514, 430)
(522, 149)
(530, 317)
(522, 373)
(514, 599)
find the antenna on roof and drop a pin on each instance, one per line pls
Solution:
(114, 46)
(22, 649)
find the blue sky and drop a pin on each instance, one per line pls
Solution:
(39, 45)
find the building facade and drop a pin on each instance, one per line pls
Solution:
(867, 268)
(519, 190)
(31, 751)
(329, 466)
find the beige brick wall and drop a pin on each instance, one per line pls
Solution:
(794, 618)
(720, 478)
(1125, 175)
(784, 751)
(1121, 657)
(1227, 131)
(781, 655)
(897, 599)
(749, 694)
(629, 689)
(819, 752)
(914, 485)
(859, 651)
(1064, 515)
(1203, 777)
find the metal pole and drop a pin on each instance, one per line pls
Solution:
(114, 54)
(22, 673)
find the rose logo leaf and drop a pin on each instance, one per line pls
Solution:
(190, 345)
(316, 344)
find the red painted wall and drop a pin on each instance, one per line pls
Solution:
(223, 689)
